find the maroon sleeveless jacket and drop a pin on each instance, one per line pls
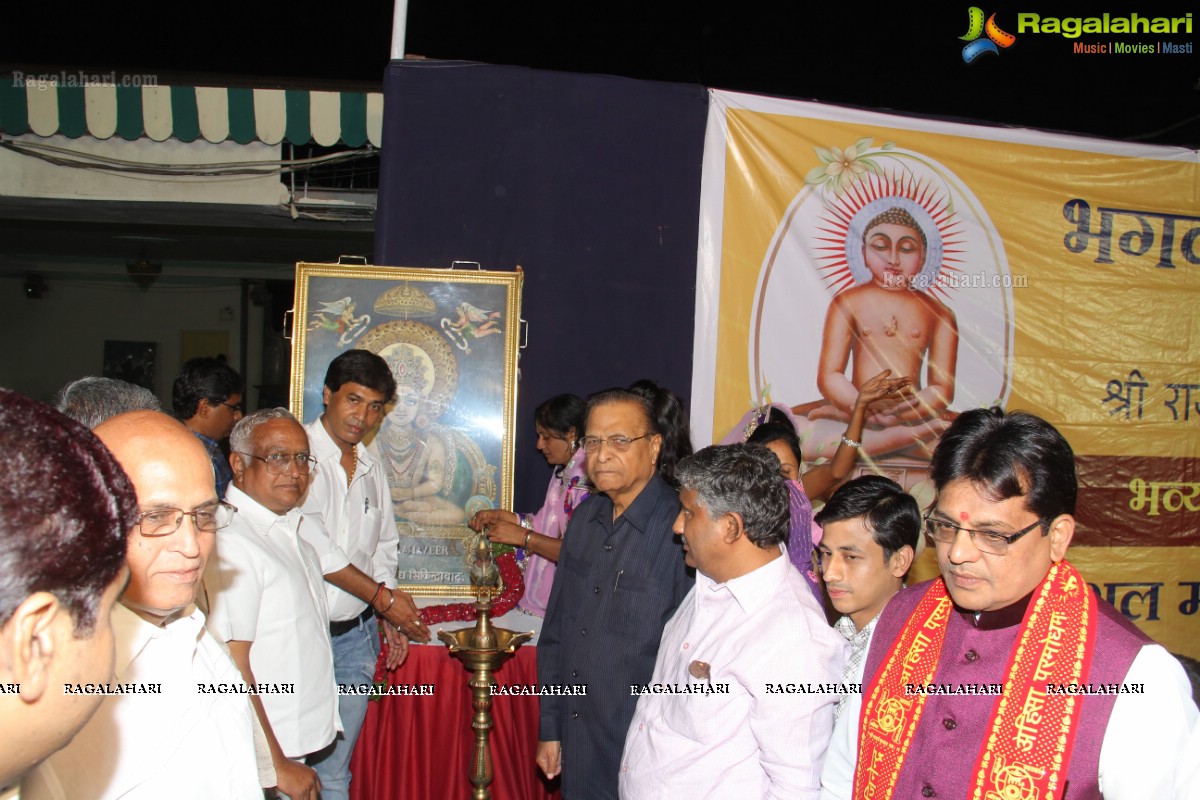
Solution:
(945, 747)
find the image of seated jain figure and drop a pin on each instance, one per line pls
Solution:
(890, 321)
(423, 464)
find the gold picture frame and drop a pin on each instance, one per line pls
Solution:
(451, 338)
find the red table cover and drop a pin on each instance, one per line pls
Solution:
(415, 747)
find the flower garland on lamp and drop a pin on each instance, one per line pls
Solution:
(514, 587)
(506, 601)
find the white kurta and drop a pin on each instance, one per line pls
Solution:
(180, 743)
(266, 587)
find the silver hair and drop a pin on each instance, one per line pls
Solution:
(742, 479)
(243, 432)
(91, 400)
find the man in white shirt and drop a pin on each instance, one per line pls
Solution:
(65, 508)
(356, 541)
(740, 703)
(268, 601)
(161, 734)
(871, 528)
(870, 538)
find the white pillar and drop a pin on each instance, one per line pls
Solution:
(399, 24)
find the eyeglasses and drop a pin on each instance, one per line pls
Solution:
(278, 463)
(995, 544)
(618, 443)
(208, 518)
(237, 409)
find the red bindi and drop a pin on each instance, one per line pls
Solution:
(962, 516)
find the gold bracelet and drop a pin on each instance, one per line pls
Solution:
(527, 535)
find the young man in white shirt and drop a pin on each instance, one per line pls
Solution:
(869, 540)
(729, 711)
(268, 600)
(871, 528)
(355, 539)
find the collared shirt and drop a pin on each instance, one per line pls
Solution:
(751, 642)
(618, 582)
(222, 472)
(860, 642)
(266, 587)
(1143, 743)
(357, 525)
(178, 742)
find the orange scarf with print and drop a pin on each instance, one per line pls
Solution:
(1031, 730)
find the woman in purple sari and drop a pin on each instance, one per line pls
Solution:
(772, 427)
(538, 536)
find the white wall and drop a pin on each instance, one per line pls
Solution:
(60, 337)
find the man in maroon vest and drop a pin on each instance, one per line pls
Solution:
(1007, 676)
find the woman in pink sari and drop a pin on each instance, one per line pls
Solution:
(538, 536)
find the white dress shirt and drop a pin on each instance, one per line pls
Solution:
(357, 526)
(760, 631)
(1143, 729)
(266, 587)
(182, 743)
(1187, 782)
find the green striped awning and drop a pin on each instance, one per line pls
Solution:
(188, 113)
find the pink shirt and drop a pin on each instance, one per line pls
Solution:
(567, 490)
(758, 724)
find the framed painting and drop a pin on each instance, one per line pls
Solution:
(450, 337)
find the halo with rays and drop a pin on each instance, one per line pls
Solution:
(840, 231)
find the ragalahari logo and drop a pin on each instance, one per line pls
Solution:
(976, 27)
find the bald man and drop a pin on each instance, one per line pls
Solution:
(176, 721)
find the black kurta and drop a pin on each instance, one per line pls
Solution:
(617, 585)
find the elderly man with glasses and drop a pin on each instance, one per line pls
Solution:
(160, 731)
(620, 576)
(1007, 676)
(268, 600)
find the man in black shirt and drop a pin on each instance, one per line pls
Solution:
(620, 576)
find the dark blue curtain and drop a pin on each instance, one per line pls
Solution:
(590, 183)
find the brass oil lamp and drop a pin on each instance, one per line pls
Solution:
(482, 650)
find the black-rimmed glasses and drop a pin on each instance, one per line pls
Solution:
(208, 518)
(996, 544)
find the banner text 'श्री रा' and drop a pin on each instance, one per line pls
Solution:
(1041, 272)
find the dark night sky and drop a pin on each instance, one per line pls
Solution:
(904, 57)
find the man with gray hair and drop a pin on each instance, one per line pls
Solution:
(741, 702)
(268, 600)
(90, 400)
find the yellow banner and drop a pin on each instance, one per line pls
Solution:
(1049, 273)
